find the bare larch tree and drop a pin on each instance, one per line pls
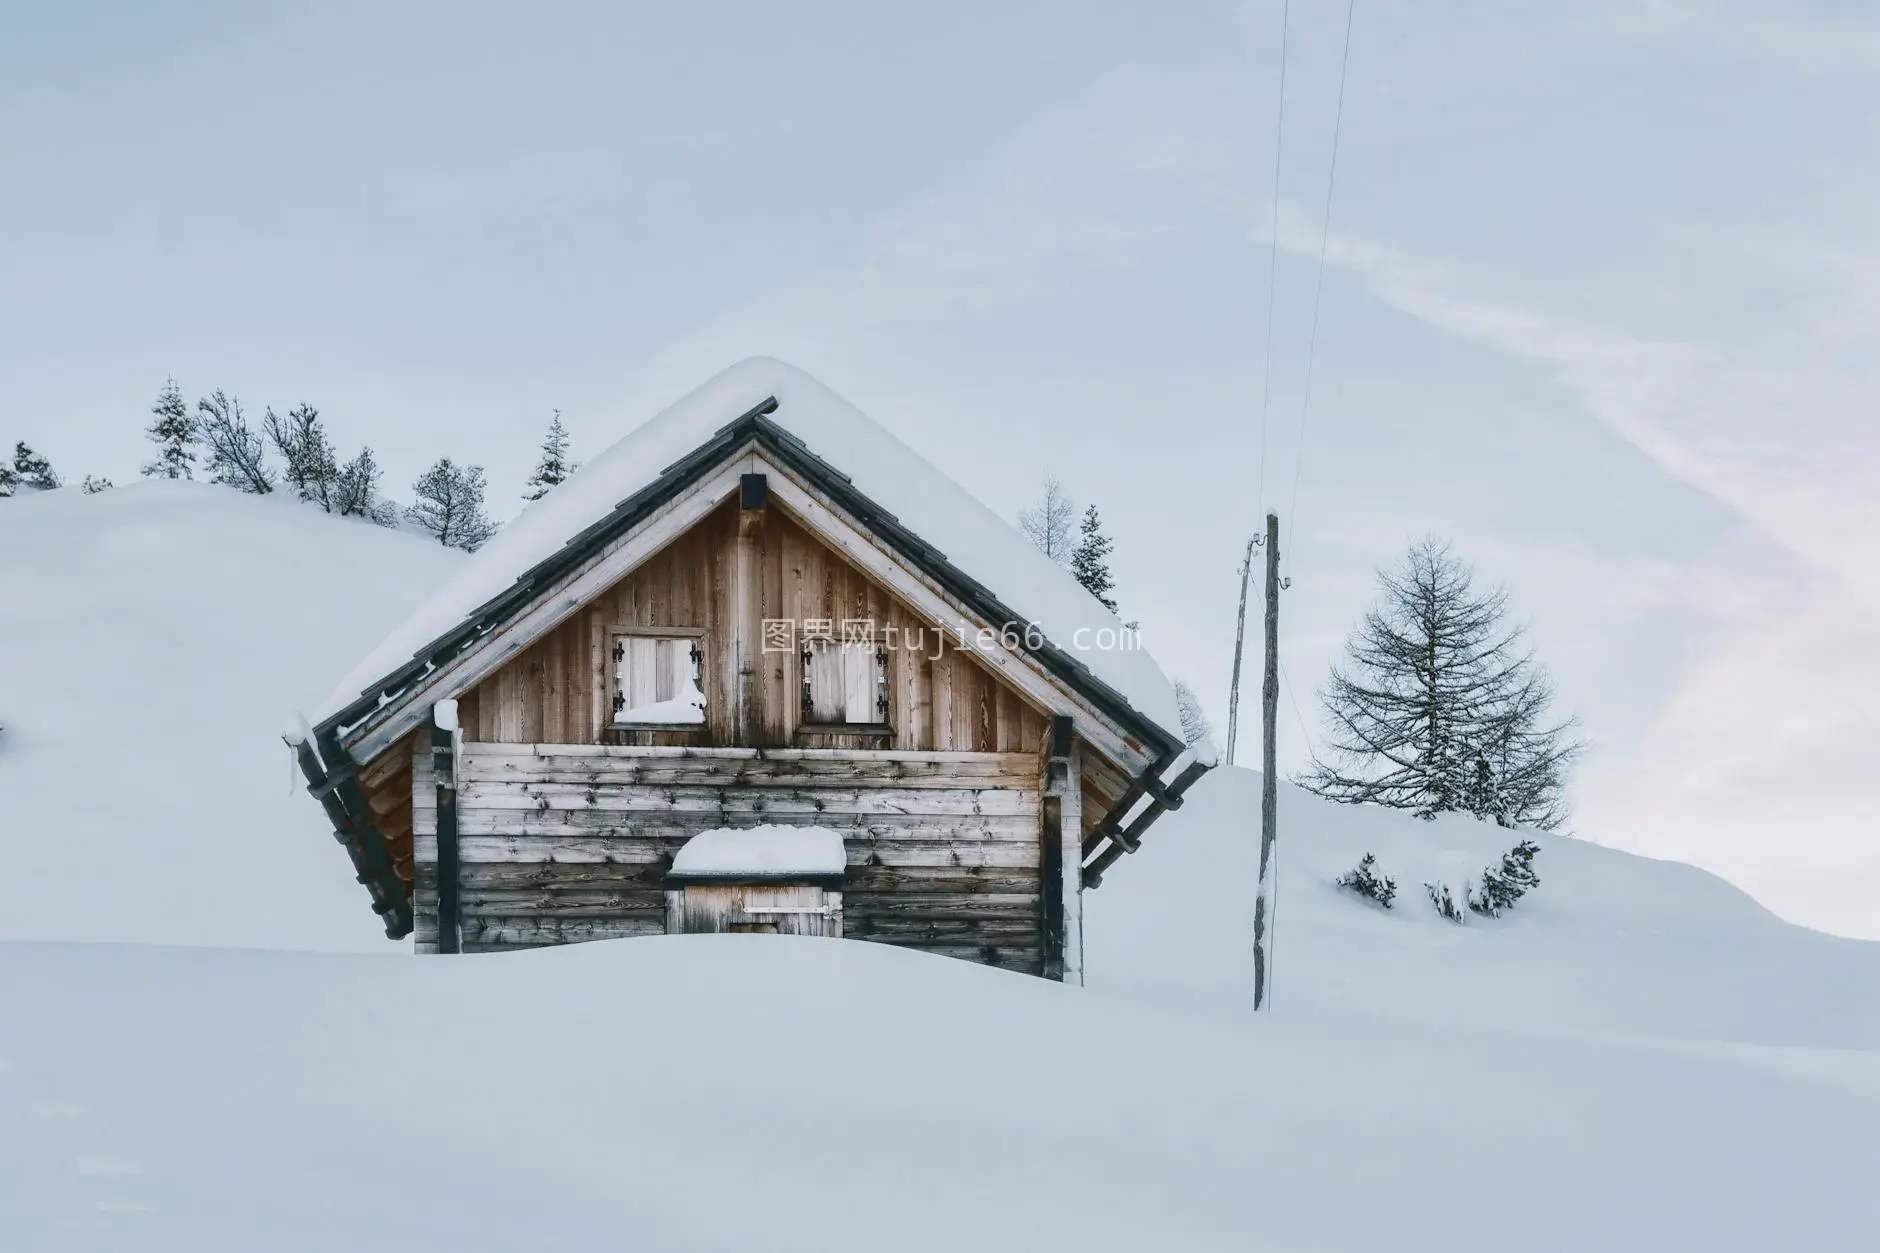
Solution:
(1049, 523)
(1438, 707)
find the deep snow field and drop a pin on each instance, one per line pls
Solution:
(1638, 1057)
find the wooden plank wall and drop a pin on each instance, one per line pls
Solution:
(563, 843)
(939, 697)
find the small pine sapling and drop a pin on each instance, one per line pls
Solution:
(1503, 885)
(1090, 559)
(173, 431)
(93, 486)
(1196, 729)
(1367, 882)
(554, 467)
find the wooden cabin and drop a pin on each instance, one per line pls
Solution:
(757, 618)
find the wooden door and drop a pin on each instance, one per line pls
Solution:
(764, 908)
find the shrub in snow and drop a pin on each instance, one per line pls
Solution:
(31, 469)
(93, 486)
(173, 431)
(237, 457)
(356, 491)
(9, 481)
(1366, 881)
(1444, 898)
(450, 505)
(1503, 885)
(553, 469)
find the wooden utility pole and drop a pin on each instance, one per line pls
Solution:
(1240, 637)
(1269, 783)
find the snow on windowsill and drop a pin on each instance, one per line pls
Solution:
(685, 709)
(770, 851)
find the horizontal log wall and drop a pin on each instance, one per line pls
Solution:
(562, 843)
(938, 696)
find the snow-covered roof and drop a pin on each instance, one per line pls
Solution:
(973, 538)
(768, 852)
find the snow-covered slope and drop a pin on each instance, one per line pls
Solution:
(1609, 942)
(151, 638)
(724, 1093)
(1637, 1057)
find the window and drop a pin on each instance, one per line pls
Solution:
(656, 680)
(845, 682)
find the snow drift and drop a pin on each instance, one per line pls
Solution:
(1636, 1057)
(151, 637)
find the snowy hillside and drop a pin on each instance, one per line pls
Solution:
(1637, 1057)
(1609, 942)
(154, 640)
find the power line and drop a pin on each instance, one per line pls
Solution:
(1318, 289)
(1286, 683)
(1272, 265)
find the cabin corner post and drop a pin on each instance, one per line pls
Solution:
(1061, 859)
(748, 609)
(445, 750)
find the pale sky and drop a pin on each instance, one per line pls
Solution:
(1601, 303)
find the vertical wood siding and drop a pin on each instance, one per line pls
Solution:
(939, 698)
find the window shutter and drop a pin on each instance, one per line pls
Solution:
(859, 671)
(649, 669)
(823, 668)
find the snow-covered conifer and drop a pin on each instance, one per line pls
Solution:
(1090, 559)
(1444, 899)
(237, 456)
(1196, 729)
(93, 486)
(450, 505)
(554, 467)
(173, 431)
(356, 489)
(311, 468)
(1507, 883)
(32, 469)
(1365, 880)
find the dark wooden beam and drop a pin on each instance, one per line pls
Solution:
(449, 880)
(357, 831)
(1051, 920)
(1129, 839)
